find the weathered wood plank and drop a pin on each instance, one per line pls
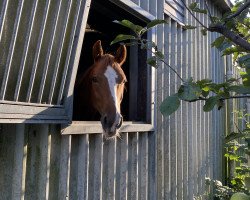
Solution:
(143, 167)
(109, 170)
(133, 166)
(44, 172)
(19, 168)
(31, 109)
(95, 127)
(83, 163)
(63, 190)
(122, 167)
(7, 155)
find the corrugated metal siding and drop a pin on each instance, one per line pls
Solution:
(36, 162)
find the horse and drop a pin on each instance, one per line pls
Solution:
(101, 89)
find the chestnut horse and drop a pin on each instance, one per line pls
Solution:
(101, 88)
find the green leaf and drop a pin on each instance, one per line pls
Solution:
(136, 28)
(244, 61)
(189, 92)
(232, 156)
(225, 44)
(204, 93)
(235, 135)
(220, 104)
(155, 22)
(232, 80)
(198, 10)
(218, 42)
(240, 196)
(245, 77)
(231, 50)
(159, 54)
(215, 19)
(204, 32)
(240, 89)
(210, 103)
(170, 105)
(122, 37)
(195, 7)
(189, 27)
(203, 82)
(152, 61)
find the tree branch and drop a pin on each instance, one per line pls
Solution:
(185, 5)
(236, 97)
(219, 28)
(162, 60)
(239, 11)
(223, 98)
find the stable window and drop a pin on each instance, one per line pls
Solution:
(136, 105)
(175, 9)
(38, 44)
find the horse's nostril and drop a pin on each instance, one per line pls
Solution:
(105, 120)
(120, 123)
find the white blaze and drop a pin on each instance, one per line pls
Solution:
(111, 76)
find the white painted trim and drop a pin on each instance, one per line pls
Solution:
(111, 76)
(134, 9)
(90, 127)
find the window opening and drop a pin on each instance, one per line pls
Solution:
(100, 26)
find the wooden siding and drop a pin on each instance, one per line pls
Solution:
(37, 162)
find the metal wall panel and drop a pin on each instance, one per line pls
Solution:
(37, 162)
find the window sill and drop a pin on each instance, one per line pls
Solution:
(89, 127)
(21, 112)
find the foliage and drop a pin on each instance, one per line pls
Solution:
(213, 94)
(234, 40)
(237, 145)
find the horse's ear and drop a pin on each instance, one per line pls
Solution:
(121, 54)
(97, 50)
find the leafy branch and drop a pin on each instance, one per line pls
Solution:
(220, 26)
(213, 94)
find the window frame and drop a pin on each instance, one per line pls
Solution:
(90, 127)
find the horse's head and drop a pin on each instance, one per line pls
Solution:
(106, 86)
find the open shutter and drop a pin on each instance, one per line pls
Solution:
(40, 43)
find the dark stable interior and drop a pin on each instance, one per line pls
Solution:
(100, 26)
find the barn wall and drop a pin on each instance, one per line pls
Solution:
(189, 142)
(36, 162)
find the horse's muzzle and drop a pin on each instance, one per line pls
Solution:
(111, 125)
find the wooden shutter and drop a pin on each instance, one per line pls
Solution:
(40, 43)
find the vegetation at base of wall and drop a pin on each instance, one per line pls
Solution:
(234, 40)
(237, 146)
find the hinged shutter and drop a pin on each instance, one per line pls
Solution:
(39, 43)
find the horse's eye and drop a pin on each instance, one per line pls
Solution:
(94, 79)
